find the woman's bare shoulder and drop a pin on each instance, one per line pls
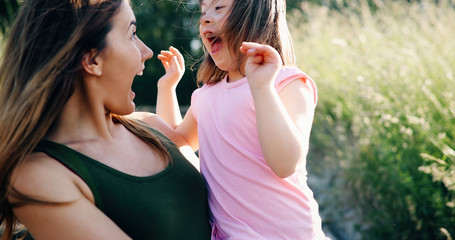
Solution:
(70, 213)
(46, 179)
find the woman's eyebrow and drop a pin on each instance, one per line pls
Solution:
(133, 22)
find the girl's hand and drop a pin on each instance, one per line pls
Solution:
(262, 65)
(174, 65)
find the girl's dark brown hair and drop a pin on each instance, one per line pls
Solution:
(38, 71)
(261, 21)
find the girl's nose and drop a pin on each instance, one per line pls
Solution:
(206, 19)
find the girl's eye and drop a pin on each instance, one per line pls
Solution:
(218, 8)
(134, 35)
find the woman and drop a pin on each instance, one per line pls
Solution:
(72, 167)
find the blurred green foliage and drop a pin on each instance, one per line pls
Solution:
(164, 23)
(8, 9)
(161, 24)
(384, 124)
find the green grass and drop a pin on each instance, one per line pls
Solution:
(2, 43)
(384, 127)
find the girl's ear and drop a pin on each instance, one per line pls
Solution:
(92, 63)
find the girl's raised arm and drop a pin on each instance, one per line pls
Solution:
(167, 106)
(284, 120)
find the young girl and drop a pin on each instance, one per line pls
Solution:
(71, 166)
(251, 121)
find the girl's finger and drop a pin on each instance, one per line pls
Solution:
(179, 56)
(243, 49)
(175, 62)
(249, 45)
(163, 58)
(166, 53)
(258, 59)
(165, 64)
(258, 48)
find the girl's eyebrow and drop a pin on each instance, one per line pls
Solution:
(204, 3)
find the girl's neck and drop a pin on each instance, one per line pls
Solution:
(234, 76)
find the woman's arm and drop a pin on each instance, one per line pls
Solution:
(283, 120)
(74, 217)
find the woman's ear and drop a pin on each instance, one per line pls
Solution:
(92, 63)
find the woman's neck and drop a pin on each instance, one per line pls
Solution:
(82, 120)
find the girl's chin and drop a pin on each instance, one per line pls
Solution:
(225, 66)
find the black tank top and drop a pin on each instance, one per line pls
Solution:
(169, 205)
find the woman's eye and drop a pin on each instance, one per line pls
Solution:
(134, 35)
(218, 8)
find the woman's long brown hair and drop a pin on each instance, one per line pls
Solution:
(261, 21)
(38, 70)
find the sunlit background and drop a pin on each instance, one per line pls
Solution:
(382, 156)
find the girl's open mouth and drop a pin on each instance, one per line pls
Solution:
(215, 44)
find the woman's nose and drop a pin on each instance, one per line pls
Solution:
(146, 52)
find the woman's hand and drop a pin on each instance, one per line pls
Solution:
(262, 65)
(174, 65)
